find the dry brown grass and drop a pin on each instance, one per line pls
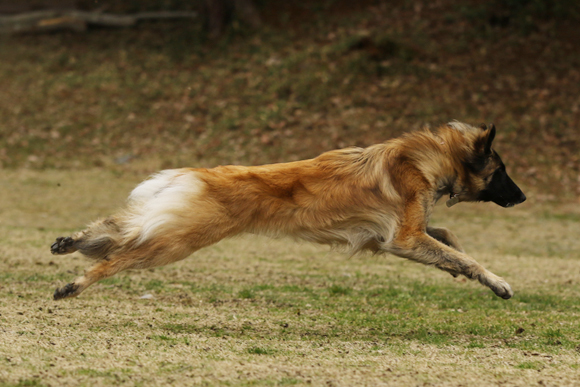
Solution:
(256, 311)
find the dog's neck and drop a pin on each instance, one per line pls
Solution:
(448, 178)
(439, 154)
(448, 186)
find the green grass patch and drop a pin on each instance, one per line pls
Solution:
(260, 351)
(475, 344)
(530, 365)
(246, 294)
(180, 328)
(156, 285)
(25, 383)
(338, 290)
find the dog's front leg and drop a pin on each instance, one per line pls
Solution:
(446, 237)
(423, 248)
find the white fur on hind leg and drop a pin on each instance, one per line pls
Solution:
(160, 201)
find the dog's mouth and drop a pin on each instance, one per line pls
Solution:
(512, 201)
(504, 204)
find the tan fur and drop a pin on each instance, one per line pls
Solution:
(377, 199)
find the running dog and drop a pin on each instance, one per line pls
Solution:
(376, 199)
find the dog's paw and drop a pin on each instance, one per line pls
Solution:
(62, 245)
(499, 286)
(69, 290)
(502, 289)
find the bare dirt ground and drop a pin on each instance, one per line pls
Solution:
(257, 311)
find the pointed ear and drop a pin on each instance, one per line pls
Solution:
(489, 140)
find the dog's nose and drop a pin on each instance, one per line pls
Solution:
(522, 198)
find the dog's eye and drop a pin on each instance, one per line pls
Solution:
(499, 169)
(490, 176)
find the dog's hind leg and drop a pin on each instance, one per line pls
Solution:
(98, 240)
(131, 254)
(90, 245)
(63, 245)
(139, 257)
(101, 270)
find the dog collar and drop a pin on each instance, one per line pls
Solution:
(453, 199)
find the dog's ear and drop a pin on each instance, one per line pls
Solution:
(490, 136)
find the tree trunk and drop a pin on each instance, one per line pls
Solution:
(221, 12)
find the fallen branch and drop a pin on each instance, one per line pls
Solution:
(42, 21)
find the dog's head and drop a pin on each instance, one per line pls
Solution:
(482, 175)
(486, 175)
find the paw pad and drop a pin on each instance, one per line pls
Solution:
(66, 291)
(62, 245)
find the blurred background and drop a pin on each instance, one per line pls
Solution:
(148, 84)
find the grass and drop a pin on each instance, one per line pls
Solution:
(257, 311)
(85, 117)
(259, 351)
